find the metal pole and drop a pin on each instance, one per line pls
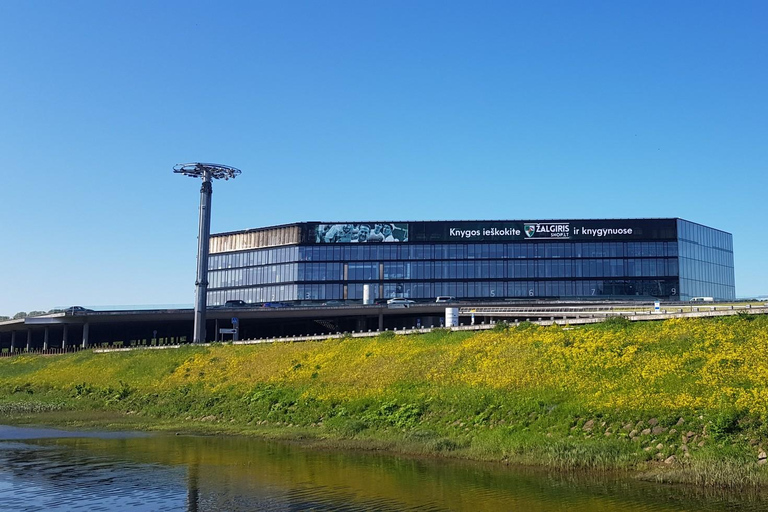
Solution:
(207, 172)
(201, 284)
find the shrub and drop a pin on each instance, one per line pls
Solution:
(502, 326)
(726, 423)
(617, 322)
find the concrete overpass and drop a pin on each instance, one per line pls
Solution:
(70, 329)
(86, 329)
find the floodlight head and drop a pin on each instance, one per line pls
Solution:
(199, 170)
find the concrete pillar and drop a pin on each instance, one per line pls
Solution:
(45, 339)
(29, 340)
(64, 338)
(13, 341)
(381, 321)
(451, 317)
(86, 326)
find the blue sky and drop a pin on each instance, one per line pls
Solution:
(400, 110)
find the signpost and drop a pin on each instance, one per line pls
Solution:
(234, 331)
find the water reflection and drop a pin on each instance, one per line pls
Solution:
(39, 477)
(130, 472)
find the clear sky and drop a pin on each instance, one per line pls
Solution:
(363, 110)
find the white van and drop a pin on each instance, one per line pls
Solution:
(702, 299)
(399, 302)
(445, 298)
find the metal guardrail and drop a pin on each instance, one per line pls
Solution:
(598, 310)
(47, 352)
(532, 310)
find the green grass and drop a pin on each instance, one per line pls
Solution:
(377, 394)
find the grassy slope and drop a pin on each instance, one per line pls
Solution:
(609, 396)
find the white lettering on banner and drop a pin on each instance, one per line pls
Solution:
(489, 232)
(606, 231)
(538, 230)
(501, 232)
(553, 228)
(464, 233)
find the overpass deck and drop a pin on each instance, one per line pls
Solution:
(171, 326)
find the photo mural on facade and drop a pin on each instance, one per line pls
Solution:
(361, 233)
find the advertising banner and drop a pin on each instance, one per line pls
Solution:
(371, 232)
(494, 231)
(507, 231)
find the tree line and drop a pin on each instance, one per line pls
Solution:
(23, 314)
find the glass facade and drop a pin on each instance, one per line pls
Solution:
(706, 262)
(650, 262)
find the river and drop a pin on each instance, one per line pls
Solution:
(55, 470)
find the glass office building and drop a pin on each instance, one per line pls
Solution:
(668, 259)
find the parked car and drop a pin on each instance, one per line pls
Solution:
(399, 302)
(335, 303)
(77, 309)
(445, 298)
(276, 305)
(235, 304)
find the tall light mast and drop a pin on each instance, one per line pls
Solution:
(207, 172)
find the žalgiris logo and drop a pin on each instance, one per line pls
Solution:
(548, 230)
(530, 230)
